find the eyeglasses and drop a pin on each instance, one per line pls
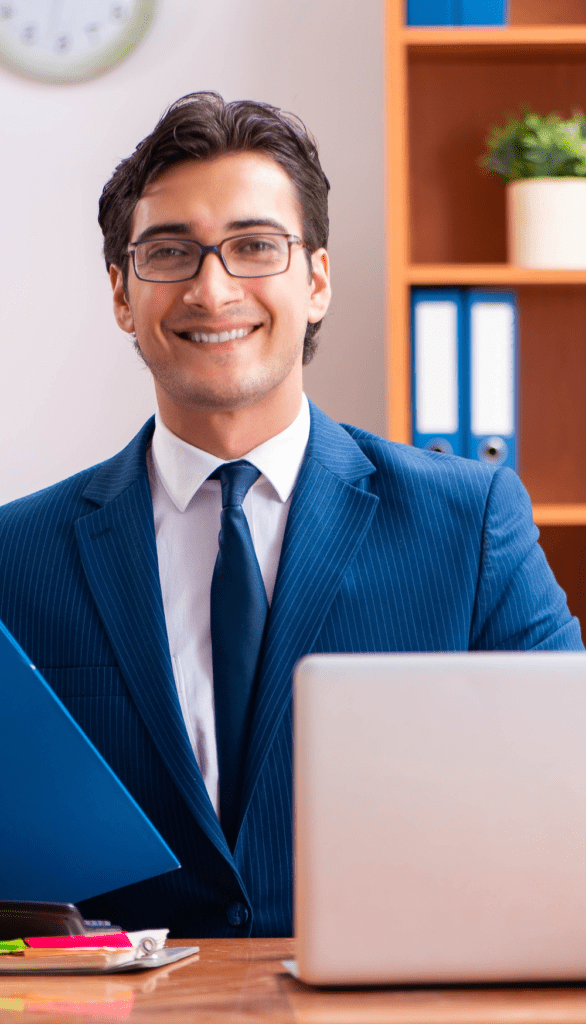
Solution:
(180, 259)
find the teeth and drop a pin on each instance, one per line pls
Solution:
(243, 332)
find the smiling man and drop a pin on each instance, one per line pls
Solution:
(167, 594)
(225, 351)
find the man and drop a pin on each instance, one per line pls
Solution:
(177, 664)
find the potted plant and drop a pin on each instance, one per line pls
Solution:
(543, 160)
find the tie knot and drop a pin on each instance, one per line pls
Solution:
(236, 478)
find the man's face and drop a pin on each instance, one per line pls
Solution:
(209, 201)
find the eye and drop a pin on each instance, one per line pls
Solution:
(245, 251)
(256, 244)
(167, 251)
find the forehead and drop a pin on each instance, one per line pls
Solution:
(212, 195)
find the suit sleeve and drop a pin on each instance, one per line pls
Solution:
(518, 604)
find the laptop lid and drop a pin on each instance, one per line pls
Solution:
(440, 822)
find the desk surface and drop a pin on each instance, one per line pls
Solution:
(234, 981)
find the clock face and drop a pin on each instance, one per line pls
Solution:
(69, 40)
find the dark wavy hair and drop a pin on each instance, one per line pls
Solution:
(201, 126)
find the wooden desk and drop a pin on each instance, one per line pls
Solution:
(241, 981)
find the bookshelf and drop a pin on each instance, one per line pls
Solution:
(445, 88)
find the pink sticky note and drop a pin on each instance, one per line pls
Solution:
(118, 940)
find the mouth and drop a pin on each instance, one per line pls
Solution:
(215, 338)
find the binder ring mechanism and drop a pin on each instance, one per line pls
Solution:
(439, 444)
(493, 450)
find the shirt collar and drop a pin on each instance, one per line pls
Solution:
(182, 468)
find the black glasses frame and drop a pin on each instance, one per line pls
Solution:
(207, 249)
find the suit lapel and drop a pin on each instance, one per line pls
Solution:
(330, 514)
(328, 520)
(118, 550)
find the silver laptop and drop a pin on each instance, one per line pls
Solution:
(440, 828)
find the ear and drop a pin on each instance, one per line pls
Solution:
(321, 291)
(122, 310)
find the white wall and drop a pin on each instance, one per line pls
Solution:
(73, 391)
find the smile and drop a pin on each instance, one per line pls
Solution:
(211, 338)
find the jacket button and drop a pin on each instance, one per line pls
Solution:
(237, 914)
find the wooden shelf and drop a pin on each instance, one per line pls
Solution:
(559, 515)
(446, 87)
(488, 274)
(506, 38)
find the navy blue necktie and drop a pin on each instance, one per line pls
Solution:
(239, 609)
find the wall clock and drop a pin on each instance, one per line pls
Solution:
(70, 40)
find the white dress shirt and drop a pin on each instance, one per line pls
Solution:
(187, 509)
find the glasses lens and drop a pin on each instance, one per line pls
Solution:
(256, 255)
(165, 259)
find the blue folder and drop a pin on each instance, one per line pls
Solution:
(68, 827)
(456, 12)
(439, 371)
(493, 367)
(483, 12)
(432, 12)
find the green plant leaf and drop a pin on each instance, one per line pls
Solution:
(536, 146)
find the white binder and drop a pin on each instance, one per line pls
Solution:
(438, 350)
(492, 339)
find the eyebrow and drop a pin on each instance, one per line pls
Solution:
(163, 229)
(266, 222)
(182, 228)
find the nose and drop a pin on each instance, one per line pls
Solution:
(213, 286)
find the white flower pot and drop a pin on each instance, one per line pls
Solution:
(547, 223)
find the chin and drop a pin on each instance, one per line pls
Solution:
(217, 399)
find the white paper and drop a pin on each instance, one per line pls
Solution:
(436, 367)
(492, 328)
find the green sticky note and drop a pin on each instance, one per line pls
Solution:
(12, 946)
(12, 1004)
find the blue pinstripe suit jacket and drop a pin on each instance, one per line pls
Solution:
(387, 548)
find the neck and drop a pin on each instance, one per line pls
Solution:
(228, 434)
